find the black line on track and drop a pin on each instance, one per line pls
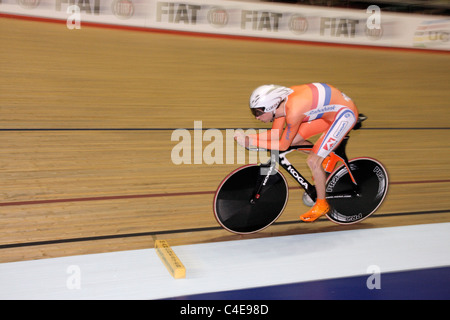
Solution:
(155, 233)
(190, 129)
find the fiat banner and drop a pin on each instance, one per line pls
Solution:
(371, 26)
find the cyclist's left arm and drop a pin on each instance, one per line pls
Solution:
(288, 135)
(274, 133)
(293, 119)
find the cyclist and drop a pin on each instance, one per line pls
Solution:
(298, 113)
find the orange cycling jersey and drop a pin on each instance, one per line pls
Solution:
(309, 110)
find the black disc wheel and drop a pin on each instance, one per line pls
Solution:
(238, 210)
(352, 203)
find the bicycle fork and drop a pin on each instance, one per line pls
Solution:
(269, 168)
(266, 170)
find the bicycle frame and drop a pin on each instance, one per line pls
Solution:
(337, 155)
(253, 196)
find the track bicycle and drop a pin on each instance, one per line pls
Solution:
(253, 197)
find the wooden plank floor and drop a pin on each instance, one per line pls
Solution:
(86, 119)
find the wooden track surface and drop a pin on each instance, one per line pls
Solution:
(106, 182)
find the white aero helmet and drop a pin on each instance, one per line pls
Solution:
(268, 97)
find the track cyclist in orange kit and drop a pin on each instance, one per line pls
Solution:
(298, 113)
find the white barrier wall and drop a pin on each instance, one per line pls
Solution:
(238, 18)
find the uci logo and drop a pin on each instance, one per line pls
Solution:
(432, 34)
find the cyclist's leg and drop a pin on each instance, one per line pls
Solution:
(344, 121)
(321, 206)
(308, 130)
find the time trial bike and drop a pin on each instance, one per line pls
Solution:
(253, 196)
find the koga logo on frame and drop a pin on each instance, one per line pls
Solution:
(297, 176)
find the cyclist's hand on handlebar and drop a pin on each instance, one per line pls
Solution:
(242, 139)
(245, 141)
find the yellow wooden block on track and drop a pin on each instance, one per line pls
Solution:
(170, 259)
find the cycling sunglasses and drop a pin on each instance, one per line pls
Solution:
(260, 111)
(257, 111)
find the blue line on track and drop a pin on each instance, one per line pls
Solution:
(423, 284)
